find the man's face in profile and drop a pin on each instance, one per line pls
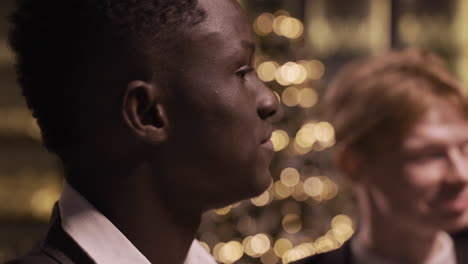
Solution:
(218, 111)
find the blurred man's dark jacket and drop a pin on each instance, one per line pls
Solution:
(56, 247)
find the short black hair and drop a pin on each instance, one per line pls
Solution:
(53, 40)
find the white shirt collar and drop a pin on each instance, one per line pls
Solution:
(445, 255)
(101, 240)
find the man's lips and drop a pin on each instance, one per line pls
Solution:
(266, 142)
(453, 204)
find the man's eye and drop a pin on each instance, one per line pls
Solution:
(244, 70)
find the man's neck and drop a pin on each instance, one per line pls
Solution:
(156, 228)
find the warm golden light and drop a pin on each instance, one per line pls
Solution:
(277, 24)
(281, 246)
(325, 244)
(43, 200)
(260, 244)
(305, 137)
(308, 97)
(317, 69)
(263, 25)
(299, 194)
(313, 186)
(216, 251)
(292, 72)
(205, 246)
(223, 211)
(247, 246)
(292, 223)
(266, 71)
(231, 252)
(290, 177)
(290, 96)
(324, 132)
(263, 199)
(291, 28)
(280, 139)
(281, 191)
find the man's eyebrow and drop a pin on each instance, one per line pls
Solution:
(249, 45)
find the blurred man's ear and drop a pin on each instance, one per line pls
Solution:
(144, 112)
(349, 162)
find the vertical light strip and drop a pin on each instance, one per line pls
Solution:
(379, 25)
(460, 36)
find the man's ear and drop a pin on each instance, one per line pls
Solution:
(144, 112)
(350, 163)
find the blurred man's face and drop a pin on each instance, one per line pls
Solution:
(219, 111)
(425, 181)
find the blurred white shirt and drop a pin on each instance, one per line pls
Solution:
(101, 240)
(445, 254)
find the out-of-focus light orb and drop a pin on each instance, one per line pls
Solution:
(324, 132)
(299, 194)
(295, 254)
(308, 247)
(305, 137)
(269, 257)
(292, 223)
(299, 149)
(315, 69)
(223, 211)
(291, 28)
(247, 246)
(324, 244)
(313, 186)
(263, 25)
(341, 233)
(231, 252)
(281, 191)
(290, 177)
(205, 246)
(277, 24)
(266, 71)
(330, 190)
(42, 201)
(302, 76)
(292, 72)
(290, 96)
(260, 244)
(308, 97)
(341, 219)
(281, 246)
(262, 200)
(280, 139)
(216, 251)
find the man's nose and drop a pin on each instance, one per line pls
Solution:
(459, 167)
(267, 102)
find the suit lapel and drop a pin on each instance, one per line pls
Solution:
(60, 246)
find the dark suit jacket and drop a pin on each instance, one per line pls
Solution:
(343, 255)
(56, 247)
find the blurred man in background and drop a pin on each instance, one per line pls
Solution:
(401, 125)
(152, 126)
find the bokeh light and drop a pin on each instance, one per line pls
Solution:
(263, 25)
(280, 139)
(266, 71)
(290, 177)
